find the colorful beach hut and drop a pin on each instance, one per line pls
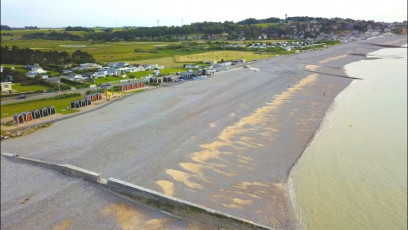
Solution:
(18, 118)
(27, 116)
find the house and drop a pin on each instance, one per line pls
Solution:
(29, 67)
(223, 64)
(210, 62)
(140, 68)
(6, 87)
(190, 66)
(75, 77)
(100, 73)
(113, 72)
(152, 66)
(122, 64)
(56, 80)
(65, 71)
(90, 66)
(37, 70)
(128, 69)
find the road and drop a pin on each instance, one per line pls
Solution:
(8, 100)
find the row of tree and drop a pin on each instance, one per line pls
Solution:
(247, 28)
(23, 56)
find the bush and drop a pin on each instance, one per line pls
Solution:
(67, 95)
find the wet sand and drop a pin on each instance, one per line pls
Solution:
(228, 142)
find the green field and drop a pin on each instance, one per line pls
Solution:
(28, 88)
(27, 106)
(135, 52)
(218, 55)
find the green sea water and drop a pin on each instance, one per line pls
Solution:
(354, 173)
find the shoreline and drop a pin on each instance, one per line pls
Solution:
(229, 142)
(401, 43)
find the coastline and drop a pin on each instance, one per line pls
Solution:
(197, 160)
(400, 43)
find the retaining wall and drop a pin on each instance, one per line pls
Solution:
(181, 208)
(175, 206)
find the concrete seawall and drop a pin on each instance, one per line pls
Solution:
(175, 206)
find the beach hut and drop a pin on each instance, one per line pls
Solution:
(75, 104)
(51, 110)
(83, 102)
(93, 97)
(142, 84)
(99, 96)
(88, 101)
(35, 114)
(18, 118)
(44, 112)
(122, 88)
(133, 85)
(27, 116)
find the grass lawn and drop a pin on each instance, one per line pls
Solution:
(29, 88)
(11, 65)
(27, 106)
(218, 55)
(104, 52)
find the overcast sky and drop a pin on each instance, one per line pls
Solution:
(111, 13)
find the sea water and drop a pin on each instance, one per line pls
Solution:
(354, 173)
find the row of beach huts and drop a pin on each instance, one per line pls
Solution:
(34, 114)
(87, 100)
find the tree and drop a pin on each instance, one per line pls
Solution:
(108, 30)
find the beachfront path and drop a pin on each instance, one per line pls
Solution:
(227, 142)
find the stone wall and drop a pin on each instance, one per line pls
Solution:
(175, 206)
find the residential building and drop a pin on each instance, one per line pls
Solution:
(6, 87)
(56, 80)
(90, 66)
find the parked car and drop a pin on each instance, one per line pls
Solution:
(22, 96)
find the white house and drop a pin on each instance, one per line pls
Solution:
(35, 71)
(191, 66)
(113, 72)
(210, 62)
(129, 69)
(89, 66)
(100, 73)
(121, 64)
(38, 70)
(75, 77)
(6, 87)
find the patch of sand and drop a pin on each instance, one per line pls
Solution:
(333, 58)
(183, 177)
(312, 67)
(129, 218)
(166, 186)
